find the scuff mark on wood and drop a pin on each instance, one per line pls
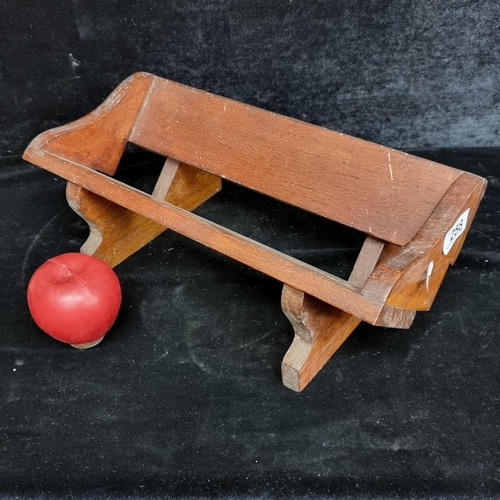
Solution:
(390, 166)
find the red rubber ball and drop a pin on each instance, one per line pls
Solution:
(74, 298)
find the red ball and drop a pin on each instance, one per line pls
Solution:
(74, 298)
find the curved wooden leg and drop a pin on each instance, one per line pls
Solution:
(319, 330)
(116, 233)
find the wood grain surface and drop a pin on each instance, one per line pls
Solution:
(380, 191)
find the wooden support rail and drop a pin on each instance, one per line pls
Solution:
(293, 272)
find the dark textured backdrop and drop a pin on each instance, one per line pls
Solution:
(403, 73)
(183, 397)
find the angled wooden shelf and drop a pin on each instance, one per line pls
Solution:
(415, 213)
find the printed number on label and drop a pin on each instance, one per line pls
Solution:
(453, 234)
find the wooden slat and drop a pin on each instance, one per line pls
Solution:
(284, 268)
(382, 192)
(366, 261)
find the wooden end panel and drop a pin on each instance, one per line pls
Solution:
(98, 139)
(410, 277)
(382, 192)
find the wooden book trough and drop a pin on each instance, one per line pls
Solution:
(415, 212)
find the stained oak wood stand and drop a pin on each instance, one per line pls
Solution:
(415, 213)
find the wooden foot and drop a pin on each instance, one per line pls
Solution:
(116, 233)
(319, 329)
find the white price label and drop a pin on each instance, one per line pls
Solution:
(454, 233)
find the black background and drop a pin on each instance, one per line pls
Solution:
(183, 397)
(402, 73)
